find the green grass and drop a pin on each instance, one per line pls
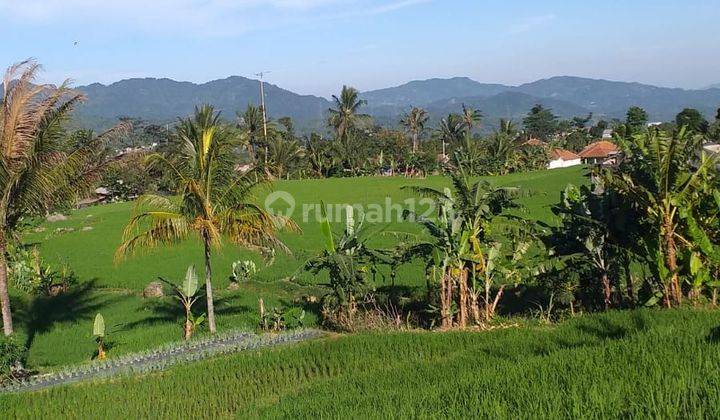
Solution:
(649, 364)
(58, 330)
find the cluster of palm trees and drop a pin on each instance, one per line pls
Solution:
(39, 170)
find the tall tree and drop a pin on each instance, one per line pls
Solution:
(450, 131)
(39, 170)
(414, 123)
(540, 122)
(214, 199)
(251, 122)
(659, 179)
(636, 120)
(471, 118)
(693, 120)
(346, 116)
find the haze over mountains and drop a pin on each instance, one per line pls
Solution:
(163, 100)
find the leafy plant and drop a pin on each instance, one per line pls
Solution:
(242, 271)
(11, 354)
(280, 319)
(99, 334)
(187, 294)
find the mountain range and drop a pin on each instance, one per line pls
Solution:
(163, 100)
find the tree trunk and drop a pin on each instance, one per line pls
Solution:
(415, 142)
(607, 291)
(188, 330)
(671, 262)
(463, 299)
(446, 299)
(4, 296)
(208, 286)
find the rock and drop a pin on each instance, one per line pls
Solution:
(87, 228)
(154, 290)
(57, 217)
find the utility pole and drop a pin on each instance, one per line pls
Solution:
(262, 105)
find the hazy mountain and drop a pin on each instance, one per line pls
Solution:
(163, 100)
(508, 105)
(612, 99)
(422, 92)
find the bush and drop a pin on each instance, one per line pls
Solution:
(11, 355)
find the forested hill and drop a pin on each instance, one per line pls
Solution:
(163, 100)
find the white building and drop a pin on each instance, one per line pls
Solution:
(561, 158)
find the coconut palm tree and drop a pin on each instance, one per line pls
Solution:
(37, 171)
(414, 123)
(346, 116)
(470, 118)
(251, 122)
(213, 203)
(450, 131)
(659, 178)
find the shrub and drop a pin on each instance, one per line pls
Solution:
(11, 355)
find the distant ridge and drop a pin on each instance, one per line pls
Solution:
(163, 100)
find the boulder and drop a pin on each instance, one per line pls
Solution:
(154, 290)
(57, 217)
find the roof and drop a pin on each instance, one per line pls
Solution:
(599, 149)
(534, 142)
(563, 154)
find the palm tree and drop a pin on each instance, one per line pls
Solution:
(37, 171)
(345, 116)
(470, 117)
(251, 122)
(659, 179)
(414, 123)
(284, 155)
(450, 130)
(213, 200)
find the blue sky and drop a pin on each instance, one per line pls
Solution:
(315, 46)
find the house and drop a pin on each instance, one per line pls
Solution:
(561, 158)
(607, 133)
(99, 196)
(599, 153)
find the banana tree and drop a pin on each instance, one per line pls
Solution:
(99, 334)
(660, 176)
(347, 260)
(460, 240)
(187, 294)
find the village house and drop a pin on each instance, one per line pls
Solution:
(561, 158)
(601, 152)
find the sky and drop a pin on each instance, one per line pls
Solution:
(316, 46)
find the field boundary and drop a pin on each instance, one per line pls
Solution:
(161, 358)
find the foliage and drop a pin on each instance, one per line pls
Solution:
(660, 180)
(281, 318)
(37, 175)
(187, 294)
(348, 260)
(213, 199)
(99, 334)
(540, 123)
(242, 271)
(692, 120)
(460, 246)
(11, 356)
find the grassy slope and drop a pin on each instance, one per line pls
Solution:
(60, 328)
(650, 364)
